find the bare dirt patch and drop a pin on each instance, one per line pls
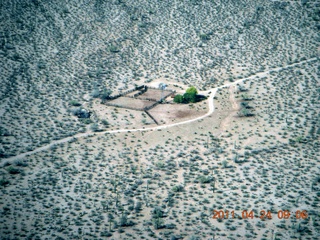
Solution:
(120, 117)
(131, 102)
(154, 94)
(169, 113)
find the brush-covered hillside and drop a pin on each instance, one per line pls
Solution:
(53, 52)
(236, 159)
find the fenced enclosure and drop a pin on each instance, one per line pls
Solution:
(140, 98)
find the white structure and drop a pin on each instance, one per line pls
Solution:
(162, 86)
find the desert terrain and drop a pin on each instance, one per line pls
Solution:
(78, 162)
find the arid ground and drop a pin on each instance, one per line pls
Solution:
(241, 164)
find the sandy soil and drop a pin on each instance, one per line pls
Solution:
(172, 113)
(154, 94)
(131, 102)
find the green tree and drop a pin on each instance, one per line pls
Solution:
(192, 90)
(178, 98)
(189, 97)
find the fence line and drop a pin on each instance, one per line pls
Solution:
(129, 91)
(121, 106)
(151, 117)
(133, 108)
(143, 89)
(151, 106)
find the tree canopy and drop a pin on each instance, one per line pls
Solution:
(192, 90)
(190, 96)
(178, 98)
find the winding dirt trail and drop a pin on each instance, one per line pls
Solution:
(210, 101)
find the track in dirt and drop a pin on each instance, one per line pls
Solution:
(226, 122)
(210, 111)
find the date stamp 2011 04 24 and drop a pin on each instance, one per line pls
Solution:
(250, 214)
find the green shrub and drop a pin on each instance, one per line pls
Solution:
(192, 90)
(158, 223)
(4, 182)
(177, 188)
(94, 127)
(224, 164)
(105, 94)
(95, 93)
(105, 234)
(160, 164)
(205, 179)
(86, 120)
(75, 103)
(138, 207)
(105, 123)
(113, 49)
(4, 132)
(246, 97)
(244, 112)
(157, 212)
(204, 37)
(13, 170)
(189, 97)
(21, 163)
(178, 98)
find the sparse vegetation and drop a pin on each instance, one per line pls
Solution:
(93, 170)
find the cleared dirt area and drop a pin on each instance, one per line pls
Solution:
(154, 94)
(131, 102)
(120, 117)
(169, 113)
